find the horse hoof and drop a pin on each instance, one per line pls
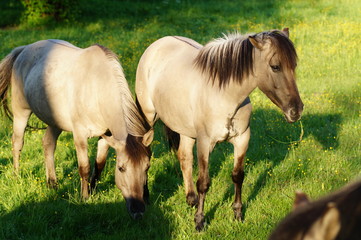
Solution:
(192, 199)
(238, 216)
(199, 220)
(237, 209)
(52, 184)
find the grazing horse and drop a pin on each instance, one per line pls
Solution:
(201, 93)
(335, 216)
(83, 91)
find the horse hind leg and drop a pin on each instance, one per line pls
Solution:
(49, 144)
(102, 153)
(19, 124)
(185, 157)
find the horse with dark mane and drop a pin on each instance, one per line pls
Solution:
(201, 94)
(335, 216)
(83, 91)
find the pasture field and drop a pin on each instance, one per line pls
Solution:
(326, 34)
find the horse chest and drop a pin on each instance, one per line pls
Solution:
(234, 124)
(229, 130)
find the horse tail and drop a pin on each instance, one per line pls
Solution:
(6, 66)
(173, 138)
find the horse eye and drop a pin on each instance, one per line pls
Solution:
(121, 169)
(275, 68)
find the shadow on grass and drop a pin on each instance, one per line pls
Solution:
(267, 126)
(60, 219)
(271, 141)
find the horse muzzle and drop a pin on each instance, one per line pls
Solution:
(293, 113)
(135, 207)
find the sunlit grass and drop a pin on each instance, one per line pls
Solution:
(326, 35)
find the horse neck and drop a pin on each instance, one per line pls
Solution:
(236, 92)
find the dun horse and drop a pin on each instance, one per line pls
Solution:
(201, 93)
(335, 216)
(83, 91)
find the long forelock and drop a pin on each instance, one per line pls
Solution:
(226, 58)
(284, 48)
(136, 150)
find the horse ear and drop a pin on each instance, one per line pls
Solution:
(286, 32)
(148, 137)
(327, 226)
(257, 43)
(301, 198)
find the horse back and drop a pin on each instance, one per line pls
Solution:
(66, 86)
(165, 74)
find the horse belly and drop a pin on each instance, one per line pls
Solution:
(179, 123)
(47, 99)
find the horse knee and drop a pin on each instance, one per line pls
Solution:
(203, 184)
(192, 199)
(238, 176)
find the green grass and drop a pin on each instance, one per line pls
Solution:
(326, 35)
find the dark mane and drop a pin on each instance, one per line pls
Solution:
(226, 58)
(231, 57)
(348, 203)
(136, 124)
(135, 148)
(107, 51)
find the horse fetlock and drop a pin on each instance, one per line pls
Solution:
(237, 209)
(85, 194)
(85, 190)
(199, 220)
(192, 199)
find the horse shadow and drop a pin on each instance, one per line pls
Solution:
(264, 145)
(171, 176)
(59, 219)
(66, 216)
(270, 142)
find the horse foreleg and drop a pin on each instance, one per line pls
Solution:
(102, 153)
(185, 157)
(19, 125)
(203, 182)
(49, 144)
(240, 147)
(81, 146)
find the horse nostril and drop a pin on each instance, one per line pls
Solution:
(137, 216)
(136, 208)
(146, 194)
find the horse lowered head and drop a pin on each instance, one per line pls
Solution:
(275, 63)
(131, 172)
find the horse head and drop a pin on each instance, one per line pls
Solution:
(131, 172)
(275, 63)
